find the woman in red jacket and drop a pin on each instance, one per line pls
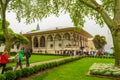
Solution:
(4, 60)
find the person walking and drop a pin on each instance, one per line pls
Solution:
(3, 61)
(28, 55)
(19, 63)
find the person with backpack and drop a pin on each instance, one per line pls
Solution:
(19, 61)
(3, 61)
(28, 55)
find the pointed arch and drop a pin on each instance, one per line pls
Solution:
(50, 38)
(42, 41)
(35, 42)
(66, 36)
(58, 37)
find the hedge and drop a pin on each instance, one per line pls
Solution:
(25, 72)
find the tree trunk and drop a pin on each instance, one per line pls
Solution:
(7, 35)
(116, 32)
(116, 42)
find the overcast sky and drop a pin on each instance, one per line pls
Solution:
(51, 22)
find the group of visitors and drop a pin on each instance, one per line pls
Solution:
(18, 59)
(83, 52)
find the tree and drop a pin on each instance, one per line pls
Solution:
(29, 9)
(16, 38)
(99, 42)
(102, 11)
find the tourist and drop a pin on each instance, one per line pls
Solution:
(28, 55)
(3, 61)
(19, 63)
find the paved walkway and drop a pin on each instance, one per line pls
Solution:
(43, 62)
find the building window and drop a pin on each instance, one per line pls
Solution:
(58, 37)
(50, 38)
(35, 42)
(42, 41)
(51, 45)
(60, 45)
(67, 36)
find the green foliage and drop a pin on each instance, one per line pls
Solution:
(18, 73)
(17, 38)
(7, 24)
(29, 71)
(32, 70)
(36, 69)
(99, 41)
(76, 70)
(2, 77)
(25, 72)
(10, 75)
(77, 9)
(31, 9)
(104, 69)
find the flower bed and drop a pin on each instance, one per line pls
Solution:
(104, 70)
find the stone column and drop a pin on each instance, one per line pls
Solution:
(62, 41)
(54, 42)
(46, 43)
(32, 39)
(38, 41)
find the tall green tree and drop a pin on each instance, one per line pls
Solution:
(99, 42)
(102, 11)
(29, 9)
(16, 38)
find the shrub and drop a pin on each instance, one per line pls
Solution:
(35, 69)
(43, 66)
(108, 73)
(116, 74)
(10, 75)
(25, 72)
(31, 70)
(104, 69)
(18, 74)
(2, 77)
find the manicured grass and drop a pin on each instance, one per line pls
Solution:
(74, 71)
(38, 58)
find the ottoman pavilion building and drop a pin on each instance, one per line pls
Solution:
(58, 40)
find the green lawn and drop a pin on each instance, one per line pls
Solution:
(37, 58)
(74, 71)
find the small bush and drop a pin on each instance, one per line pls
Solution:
(116, 74)
(43, 66)
(108, 73)
(10, 75)
(36, 69)
(25, 72)
(2, 77)
(18, 73)
(31, 70)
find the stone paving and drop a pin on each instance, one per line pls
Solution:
(59, 59)
(43, 62)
